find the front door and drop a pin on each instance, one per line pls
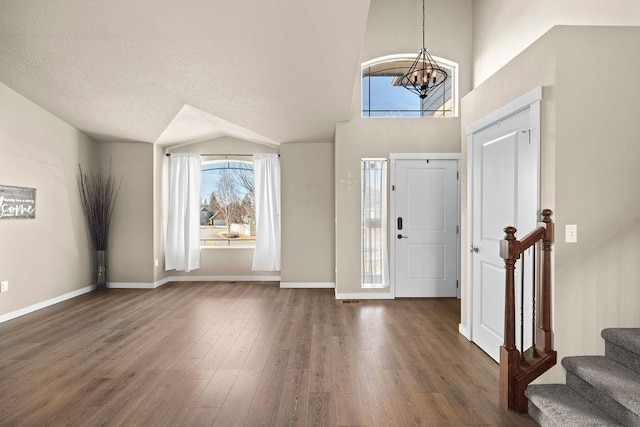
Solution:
(425, 227)
(504, 192)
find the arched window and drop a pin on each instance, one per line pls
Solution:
(227, 210)
(382, 95)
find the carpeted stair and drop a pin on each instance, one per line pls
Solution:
(599, 390)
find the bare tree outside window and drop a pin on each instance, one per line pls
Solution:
(228, 203)
(244, 177)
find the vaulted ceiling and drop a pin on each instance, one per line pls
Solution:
(171, 72)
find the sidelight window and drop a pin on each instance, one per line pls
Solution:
(374, 263)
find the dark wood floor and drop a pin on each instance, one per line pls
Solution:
(200, 354)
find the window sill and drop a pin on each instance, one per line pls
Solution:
(226, 247)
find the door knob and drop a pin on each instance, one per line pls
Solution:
(473, 249)
(400, 236)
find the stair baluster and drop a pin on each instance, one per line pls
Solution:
(534, 286)
(522, 274)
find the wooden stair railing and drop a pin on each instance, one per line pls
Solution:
(519, 367)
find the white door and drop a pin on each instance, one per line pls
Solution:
(504, 192)
(425, 228)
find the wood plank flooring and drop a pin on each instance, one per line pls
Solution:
(244, 354)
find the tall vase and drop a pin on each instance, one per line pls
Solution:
(101, 282)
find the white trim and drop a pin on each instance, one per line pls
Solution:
(364, 295)
(140, 285)
(425, 156)
(469, 292)
(132, 285)
(224, 279)
(529, 100)
(464, 331)
(409, 57)
(162, 282)
(143, 285)
(391, 200)
(35, 307)
(459, 233)
(232, 247)
(506, 110)
(307, 285)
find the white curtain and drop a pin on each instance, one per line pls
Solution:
(183, 225)
(266, 168)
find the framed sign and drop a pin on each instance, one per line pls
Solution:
(17, 202)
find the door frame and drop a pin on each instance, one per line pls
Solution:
(393, 157)
(530, 100)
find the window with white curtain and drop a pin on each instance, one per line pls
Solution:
(373, 209)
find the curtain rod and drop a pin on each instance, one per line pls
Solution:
(223, 155)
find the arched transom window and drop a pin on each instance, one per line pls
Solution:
(382, 95)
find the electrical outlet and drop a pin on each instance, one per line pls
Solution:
(4, 286)
(571, 233)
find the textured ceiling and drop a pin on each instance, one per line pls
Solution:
(272, 71)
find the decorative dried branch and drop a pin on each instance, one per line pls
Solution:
(98, 195)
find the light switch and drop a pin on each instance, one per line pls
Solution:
(571, 233)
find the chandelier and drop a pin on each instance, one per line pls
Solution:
(425, 74)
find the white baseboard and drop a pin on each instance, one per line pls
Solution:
(142, 285)
(131, 285)
(44, 304)
(162, 282)
(224, 279)
(308, 285)
(464, 331)
(364, 296)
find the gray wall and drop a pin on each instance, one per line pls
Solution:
(391, 30)
(504, 28)
(589, 175)
(597, 282)
(51, 255)
(159, 218)
(308, 213)
(131, 236)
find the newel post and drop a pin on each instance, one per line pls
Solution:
(510, 252)
(544, 305)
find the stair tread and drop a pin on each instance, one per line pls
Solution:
(563, 406)
(616, 381)
(628, 338)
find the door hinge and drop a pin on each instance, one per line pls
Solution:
(393, 188)
(457, 229)
(457, 174)
(457, 284)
